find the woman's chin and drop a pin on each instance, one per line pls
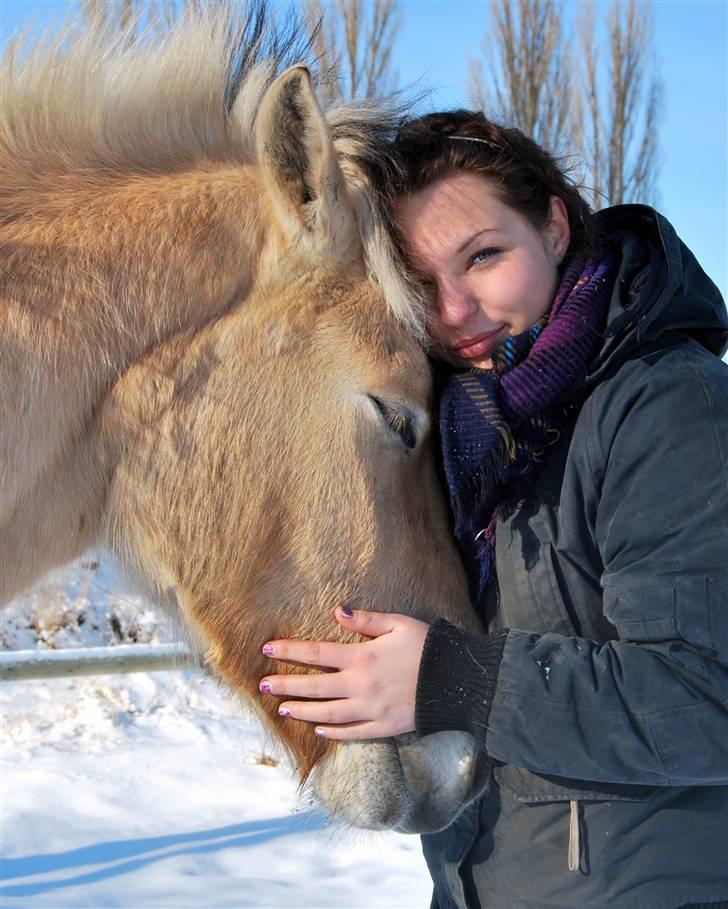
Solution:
(481, 363)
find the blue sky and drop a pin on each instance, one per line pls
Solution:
(438, 38)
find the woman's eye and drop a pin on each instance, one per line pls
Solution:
(482, 255)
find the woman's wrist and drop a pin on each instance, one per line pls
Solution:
(457, 680)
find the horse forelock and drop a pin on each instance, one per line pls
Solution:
(360, 134)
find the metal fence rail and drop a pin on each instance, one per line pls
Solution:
(47, 664)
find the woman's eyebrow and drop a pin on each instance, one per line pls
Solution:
(482, 230)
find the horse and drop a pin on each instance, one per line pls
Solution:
(211, 364)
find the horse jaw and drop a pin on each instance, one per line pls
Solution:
(407, 784)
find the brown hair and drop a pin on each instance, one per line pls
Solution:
(526, 175)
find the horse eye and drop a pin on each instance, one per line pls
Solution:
(398, 419)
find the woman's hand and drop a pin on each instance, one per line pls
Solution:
(372, 693)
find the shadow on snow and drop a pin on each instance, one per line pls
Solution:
(138, 852)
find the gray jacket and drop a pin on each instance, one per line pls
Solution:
(608, 720)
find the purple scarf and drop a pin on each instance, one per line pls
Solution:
(495, 424)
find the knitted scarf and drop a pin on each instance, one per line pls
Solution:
(495, 424)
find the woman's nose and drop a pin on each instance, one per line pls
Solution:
(455, 304)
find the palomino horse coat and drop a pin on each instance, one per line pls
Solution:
(208, 363)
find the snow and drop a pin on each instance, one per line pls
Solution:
(157, 789)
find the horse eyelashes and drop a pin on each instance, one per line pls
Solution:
(399, 420)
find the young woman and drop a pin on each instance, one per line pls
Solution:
(584, 429)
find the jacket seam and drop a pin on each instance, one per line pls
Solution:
(536, 600)
(709, 406)
(646, 717)
(589, 415)
(658, 752)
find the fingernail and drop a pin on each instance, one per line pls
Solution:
(320, 733)
(284, 711)
(346, 612)
(266, 687)
(268, 649)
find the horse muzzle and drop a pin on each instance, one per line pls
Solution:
(408, 784)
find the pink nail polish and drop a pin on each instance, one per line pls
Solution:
(320, 733)
(284, 711)
(268, 650)
(266, 687)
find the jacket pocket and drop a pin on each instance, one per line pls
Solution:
(539, 789)
(527, 786)
(547, 594)
(525, 566)
(647, 614)
(676, 617)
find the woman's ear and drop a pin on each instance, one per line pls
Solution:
(557, 233)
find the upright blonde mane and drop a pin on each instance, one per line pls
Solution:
(103, 101)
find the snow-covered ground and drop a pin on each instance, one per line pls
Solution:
(156, 789)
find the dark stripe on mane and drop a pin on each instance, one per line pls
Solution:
(262, 39)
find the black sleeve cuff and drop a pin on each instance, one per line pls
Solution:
(457, 680)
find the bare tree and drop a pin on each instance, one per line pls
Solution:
(324, 41)
(530, 70)
(606, 111)
(353, 41)
(623, 103)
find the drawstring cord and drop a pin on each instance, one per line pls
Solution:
(574, 837)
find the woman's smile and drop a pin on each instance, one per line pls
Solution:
(480, 344)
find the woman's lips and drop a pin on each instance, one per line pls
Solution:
(478, 345)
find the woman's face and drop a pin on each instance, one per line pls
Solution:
(486, 270)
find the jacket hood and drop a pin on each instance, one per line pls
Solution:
(660, 288)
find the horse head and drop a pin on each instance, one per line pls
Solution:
(232, 392)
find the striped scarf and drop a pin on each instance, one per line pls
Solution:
(495, 424)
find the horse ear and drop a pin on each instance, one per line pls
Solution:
(299, 166)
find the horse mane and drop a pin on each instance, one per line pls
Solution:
(127, 98)
(101, 100)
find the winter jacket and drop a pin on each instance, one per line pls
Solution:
(601, 692)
